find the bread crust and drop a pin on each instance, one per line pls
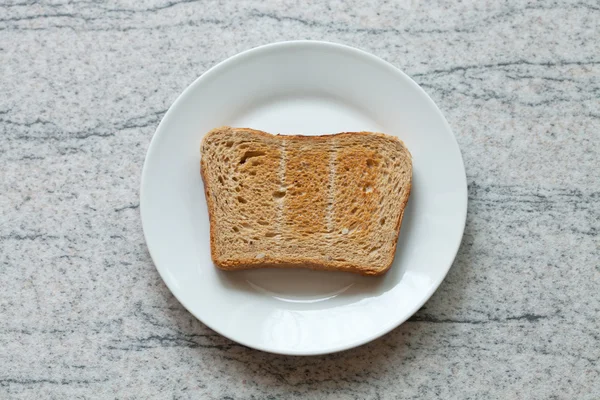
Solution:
(237, 263)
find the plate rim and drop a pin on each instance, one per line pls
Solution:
(239, 57)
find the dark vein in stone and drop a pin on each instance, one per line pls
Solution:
(434, 320)
(548, 64)
(17, 236)
(8, 381)
(129, 207)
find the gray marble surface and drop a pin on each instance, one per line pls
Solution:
(83, 312)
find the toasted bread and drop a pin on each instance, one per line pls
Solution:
(332, 202)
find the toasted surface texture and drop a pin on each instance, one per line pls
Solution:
(332, 202)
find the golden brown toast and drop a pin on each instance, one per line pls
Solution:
(332, 202)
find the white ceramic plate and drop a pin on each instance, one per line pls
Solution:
(308, 88)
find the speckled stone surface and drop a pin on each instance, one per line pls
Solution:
(83, 312)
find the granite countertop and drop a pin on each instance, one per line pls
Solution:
(83, 311)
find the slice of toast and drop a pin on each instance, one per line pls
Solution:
(332, 202)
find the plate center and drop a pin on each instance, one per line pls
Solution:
(307, 114)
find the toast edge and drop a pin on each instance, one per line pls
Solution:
(209, 206)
